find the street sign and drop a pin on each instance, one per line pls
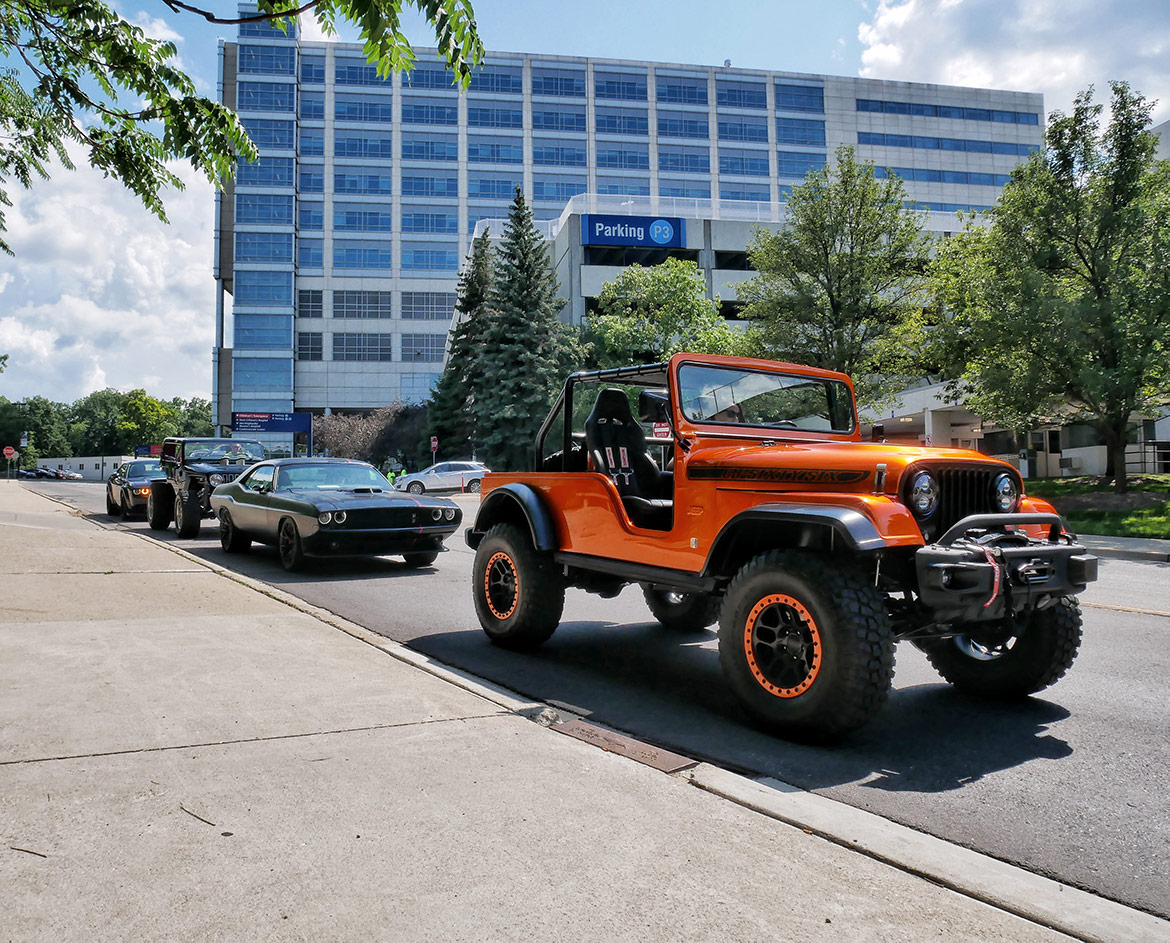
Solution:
(9, 452)
(662, 430)
(434, 445)
(272, 422)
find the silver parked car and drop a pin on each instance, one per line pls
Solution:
(445, 476)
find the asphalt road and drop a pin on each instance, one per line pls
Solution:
(1071, 784)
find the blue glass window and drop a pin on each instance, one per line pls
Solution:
(742, 162)
(361, 217)
(493, 186)
(267, 60)
(309, 345)
(499, 80)
(946, 144)
(312, 143)
(430, 186)
(267, 29)
(370, 146)
(558, 118)
(310, 253)
(424, 112)
(624, 157)
(265, 172)
(263, 246)
(266, 133)
(550, 189)
(416, 387)
(417, 146)
(947, 111)
(362, 304)
(348, 71)
(931, 175)
(625, 121)
(417, 219)
(624, 186)
(266, 96)
(310, 303)
(429, 77)
(313, 70)
(312, 105)
(428, 305)
(429, 259)
(563, 83)
(684, 189)
(623, 86)
(743, 128)
(739, 94)
(682, 91)
(800, 98)
(501, 150)
(350, 182)
(744, 191)
(427, 348)
(359, 108)
(263, 331)
(263, 208)
(377, 347)
(497, 117)
(682, 124)
(800, 131)
(262, 374)
(263, 288)
(796, 164)
(679, 158)
(554, 155)
(363, 254)
(311, 216)
(311, 179)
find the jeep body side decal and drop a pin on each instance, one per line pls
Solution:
(810, 476)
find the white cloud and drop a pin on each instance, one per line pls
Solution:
(1057, 47)
(156, 28)
(101, 293)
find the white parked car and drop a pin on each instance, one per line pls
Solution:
(445, 476)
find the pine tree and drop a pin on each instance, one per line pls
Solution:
(525, 350)
(449, 415)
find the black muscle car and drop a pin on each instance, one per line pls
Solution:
(128, 488)
(316, 507)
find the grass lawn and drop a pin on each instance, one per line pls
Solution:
(1091, 507)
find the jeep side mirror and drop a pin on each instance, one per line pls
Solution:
(878, 433)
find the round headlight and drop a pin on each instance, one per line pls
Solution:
(437, 514)
(449, 513)
(324, 517)
(923, 494)
(1005, 495)
(216, 480)
(339, 517)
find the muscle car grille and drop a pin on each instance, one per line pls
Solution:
(367, 518)
(962, 492)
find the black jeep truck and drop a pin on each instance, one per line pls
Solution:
(193, 468)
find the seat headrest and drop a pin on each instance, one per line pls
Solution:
(612, 404)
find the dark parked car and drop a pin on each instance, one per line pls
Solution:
(316, 507)
(128, 488)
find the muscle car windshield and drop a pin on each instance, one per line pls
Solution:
(330, 476)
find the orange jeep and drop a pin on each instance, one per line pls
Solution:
(754, 501)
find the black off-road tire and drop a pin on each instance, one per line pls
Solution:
(111, 508)
(820, 641)
(1037, 657)
(519, 592)
(230, 537)
(158, 508)
(188, 514)
(682, 612)
(289, 546)
(423, 558)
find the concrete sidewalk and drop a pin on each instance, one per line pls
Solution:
(184, 755)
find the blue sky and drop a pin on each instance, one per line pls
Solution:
(101, 294)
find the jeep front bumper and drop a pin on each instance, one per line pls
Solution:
(984, 569)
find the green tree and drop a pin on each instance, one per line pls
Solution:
(65, 69)
(145, 421)
(837, 284)
(449, 411)
(525, 350)
(194, 416)
(647, 314)
(1060, 310)
(95, 423)
(43, 420)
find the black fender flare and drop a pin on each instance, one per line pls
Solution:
(854, 530)
(507, 503)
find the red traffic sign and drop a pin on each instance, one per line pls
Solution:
(9, 451)
(434, 443)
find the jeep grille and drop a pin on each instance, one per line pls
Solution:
(963, 490)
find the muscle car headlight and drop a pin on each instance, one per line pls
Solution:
(324, 517)
(216, 480)
(923, 494)
(339, 517)
(437, 514)
(449, 514)
(142, 491)
(1005, 494)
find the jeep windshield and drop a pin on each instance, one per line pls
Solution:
(738, 396)
(223, 451)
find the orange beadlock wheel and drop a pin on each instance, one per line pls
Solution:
(519, 591)
(782, 645)
(501, 585)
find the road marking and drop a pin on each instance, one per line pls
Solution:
(1143, 612)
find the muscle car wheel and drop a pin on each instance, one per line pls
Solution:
(230, 537)
(124, 509)
(292, 554)
(111, 508)
(158, 508)
(421, 559)
(188, 514)
(519, 592)
(682, 612)
(1027, 656)
(806, 645)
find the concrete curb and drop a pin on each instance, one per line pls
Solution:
(1043, 901)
